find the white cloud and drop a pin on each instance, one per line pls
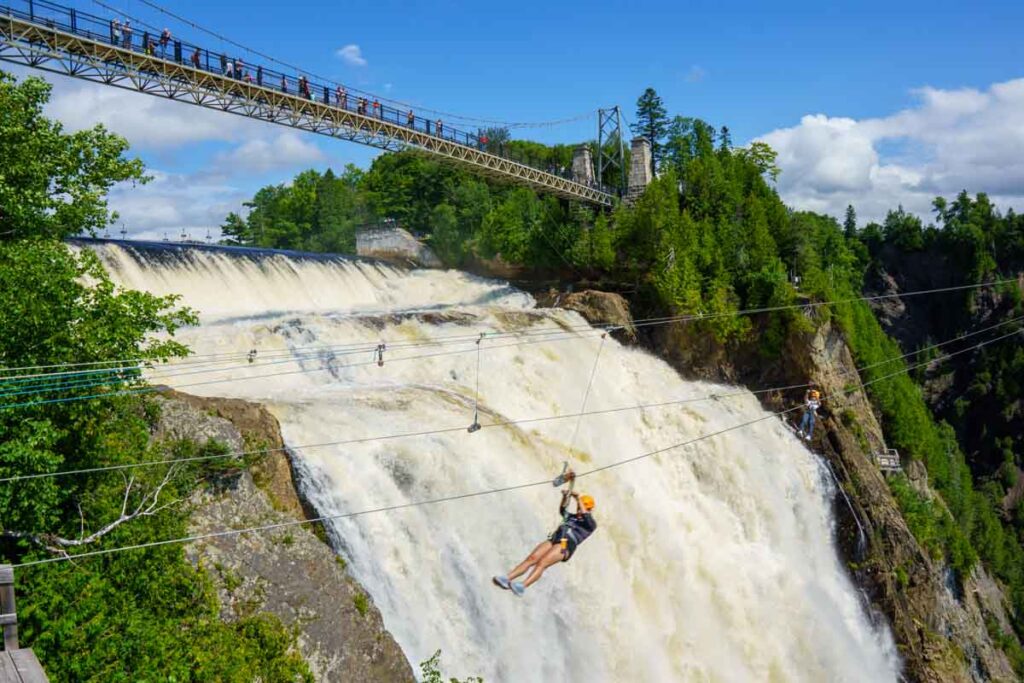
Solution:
(258, 155)
(147, 122)
(352, 55)
(696, 74)
(948, 141)
(174, 202)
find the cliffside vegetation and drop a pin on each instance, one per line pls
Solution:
(144, 615)
(711, 236)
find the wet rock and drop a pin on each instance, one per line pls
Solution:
(287, 571)
(597, 308)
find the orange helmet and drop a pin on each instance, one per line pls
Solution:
(587, 502)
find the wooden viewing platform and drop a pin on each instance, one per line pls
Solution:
(17, 665)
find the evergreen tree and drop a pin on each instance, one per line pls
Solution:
(235, 231)
(850, 222)
(652, 123)
(725, 139)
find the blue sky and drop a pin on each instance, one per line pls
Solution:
(869, 102)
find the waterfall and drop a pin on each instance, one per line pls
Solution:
(712, 562)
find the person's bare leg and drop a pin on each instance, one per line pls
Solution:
(532, 559)
(553, 556)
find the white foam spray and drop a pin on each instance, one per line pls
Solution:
(712, 562)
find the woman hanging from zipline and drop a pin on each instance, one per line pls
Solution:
(560, 545)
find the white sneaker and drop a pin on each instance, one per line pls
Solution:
(518, 588)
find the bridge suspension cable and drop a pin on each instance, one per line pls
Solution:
(405, 104)
(474, 494)
(44, 35)
(507, 423)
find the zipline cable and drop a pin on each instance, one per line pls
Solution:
(586, 394)
(643, 322)
(146, 390)
(504, 423)
(456, 497)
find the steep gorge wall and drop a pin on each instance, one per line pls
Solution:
(939, 626)
(289, 572)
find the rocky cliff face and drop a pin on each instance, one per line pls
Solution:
(939, 628)
(287, 571)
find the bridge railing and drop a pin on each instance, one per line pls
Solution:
(149, 40)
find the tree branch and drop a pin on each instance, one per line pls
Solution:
(148, 506)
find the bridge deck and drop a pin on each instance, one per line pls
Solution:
(51, 37)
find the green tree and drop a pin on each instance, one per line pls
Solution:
(52, 183)
(850, 222)
(235, 231)
(903, 229)
(447, 240)
(58, 306)
(651, 123)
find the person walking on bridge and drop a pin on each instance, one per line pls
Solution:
(127, 32)
(115, 32)
(165, 38)
(410, 119)
(559, 546)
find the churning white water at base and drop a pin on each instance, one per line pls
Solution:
(711, 562)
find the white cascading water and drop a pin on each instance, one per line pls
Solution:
(712, 562)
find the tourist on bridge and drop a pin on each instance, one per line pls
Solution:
(195, 58)
(115, 32)
(376, 108)
(410, 119)
(361, 106)
(284, 84)
(341, 97)
(440, 128)
(127, 32)
(239, 68)
(483, 140)
(165, 38)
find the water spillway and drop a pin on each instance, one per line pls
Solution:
(712, 562)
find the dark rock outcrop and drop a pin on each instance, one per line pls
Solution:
(287, 570)
(597, 308)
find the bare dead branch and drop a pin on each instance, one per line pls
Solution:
(148, 506)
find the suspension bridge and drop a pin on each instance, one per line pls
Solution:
(61, 39)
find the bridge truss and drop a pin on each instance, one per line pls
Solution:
(61, 40)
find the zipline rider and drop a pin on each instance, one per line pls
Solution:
(560, 545)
